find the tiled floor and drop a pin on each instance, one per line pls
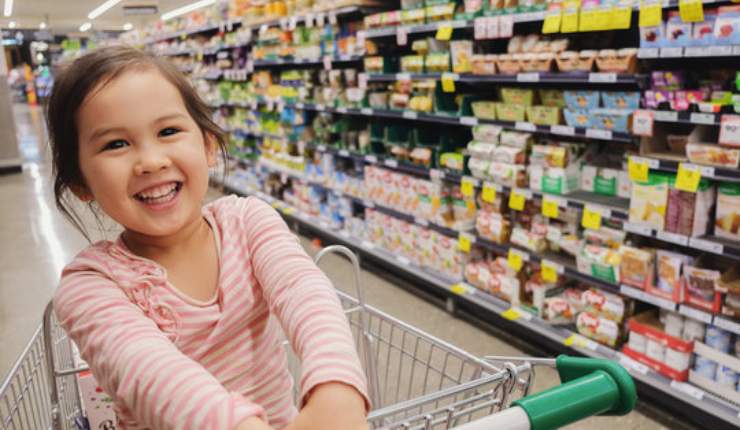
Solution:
(36, 242)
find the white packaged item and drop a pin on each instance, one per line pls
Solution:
(705, 367)
(674, 324)
(726, 376)
(479, 167)
(693, 330)
(487, 132)
(481, 150)
(516, 139)
(624, 185)
(677, 360)
(535, 177)
(655, 350)
(637, 342)
(718, 339)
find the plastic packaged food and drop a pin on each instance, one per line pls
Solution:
(557, 310)
(509, 155)
(706, 367)
(516, 139)
(484, 109)
(479, 167)
(693, 330)
(713, 155)
(481, 150)
(669, 266)
(487, 133)
(610, 306)
(637, 266)
(602, 330)
(727, 223)
(462, 53)
(648, 202)
(718, 339)
(581, 99)
(688, 213)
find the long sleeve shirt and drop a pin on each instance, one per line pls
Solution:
(172, 362)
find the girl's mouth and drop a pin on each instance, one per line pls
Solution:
(159, 195)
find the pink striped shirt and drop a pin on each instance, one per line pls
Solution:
(172, 362)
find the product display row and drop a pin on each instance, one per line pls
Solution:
(553, 179)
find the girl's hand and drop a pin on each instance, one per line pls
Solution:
(253, 423)
(332, 406)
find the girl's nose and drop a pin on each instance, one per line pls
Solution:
(151, 161)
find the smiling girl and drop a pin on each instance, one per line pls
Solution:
(175, 317)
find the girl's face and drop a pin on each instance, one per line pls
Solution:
(143, 158)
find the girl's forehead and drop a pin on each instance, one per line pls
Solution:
(139, 87)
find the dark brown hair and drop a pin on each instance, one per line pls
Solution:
(90, 73)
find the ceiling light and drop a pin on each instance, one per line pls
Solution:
(12, 24)
(86, 26)
(102, 9)
(185, 9)
(8, 10)
(128, 26)
(42, 25)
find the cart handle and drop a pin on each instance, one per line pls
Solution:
(589, 387)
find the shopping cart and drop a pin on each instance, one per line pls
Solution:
(415, 380)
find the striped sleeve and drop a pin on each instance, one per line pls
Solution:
(304, 301)
(137, 364)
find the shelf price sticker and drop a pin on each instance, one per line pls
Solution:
(550, 207)
(651, 13)
(621, 17)
(515, 259)
(569, 20)
(460, 289)
(591, 218)
(448, 82)
(511, 314)
(464, 241)
(444, 32)
(688, 177)
(691, 10)
(551, 24)
(467, 186)
(729, 130)
(517, 199)
(402, 36)
(550, 271)
(642, 122)
(488, 194)
(638, 169)
(578, 341)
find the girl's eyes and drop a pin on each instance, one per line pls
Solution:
(169, 131)
(114, 144)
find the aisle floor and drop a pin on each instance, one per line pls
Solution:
(36, 241)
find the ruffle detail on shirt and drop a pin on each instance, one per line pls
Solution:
(146, 277)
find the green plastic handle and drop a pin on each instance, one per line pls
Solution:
(589, 387)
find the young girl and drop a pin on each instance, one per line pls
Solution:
(174, 317)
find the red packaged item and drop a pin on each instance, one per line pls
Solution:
(667, 355)
(700, 289)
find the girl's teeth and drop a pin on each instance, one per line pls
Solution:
(158, 192)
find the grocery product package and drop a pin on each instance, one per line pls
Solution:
(602, 330)
(688, 213)
(648, 202)
(727, 219)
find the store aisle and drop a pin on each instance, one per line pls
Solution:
(37, 241)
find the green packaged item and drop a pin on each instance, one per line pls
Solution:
(517, 96)
(552, 98)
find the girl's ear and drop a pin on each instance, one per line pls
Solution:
(82, 193)
(211, 149)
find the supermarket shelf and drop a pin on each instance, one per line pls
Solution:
(711, 244)
(455, 24)
(691, 402)
(690, 52)
(312, 62)
(718, 173)
(285, 22)
(197, 30)
(177, 53)
(584, 78)
(686, 117)
(217, 49)
(559, 130)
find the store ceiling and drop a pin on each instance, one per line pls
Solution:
(68, 15)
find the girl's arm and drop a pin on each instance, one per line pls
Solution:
(138, 365)
(304, 301)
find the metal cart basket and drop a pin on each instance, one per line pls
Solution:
(415, 380)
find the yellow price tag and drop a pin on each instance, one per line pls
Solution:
(551, 24)
(448, 82)
(515, 260)
(691, 10)
(199, 56)
(688, 178)
(289, 211)
(459, 289)
(603, 18)
(467, 187)
(550, 208)
(589, 20)
(489, 193)
(549, 272)
(570, 340)
(591, 218)
(651, 15)
(511, 314)
(621, 18)
(463, 243)
(276, 204)
(517, 200)
(569, 21)
(639, 171)
(444, 32)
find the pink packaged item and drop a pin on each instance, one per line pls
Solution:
(98, 405)
(684, 98)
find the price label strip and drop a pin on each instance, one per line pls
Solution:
(651, 14)
(448, 82)
(551, 24)
(550, 271)
(691, 10)
(467, 186)
(516, 259)
(688, 177)
(444, 32)
(517, 199)
(461, 289)
(488, 194)
(464, 242)
(638, 169)
(550, 207)
(591, 218)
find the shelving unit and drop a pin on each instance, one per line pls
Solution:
(698, 404)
